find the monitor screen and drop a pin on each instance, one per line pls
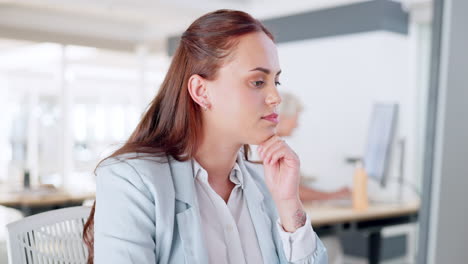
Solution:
(380, 140)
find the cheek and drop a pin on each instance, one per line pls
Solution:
(223, 95)
(231, 106)
(240, 102)
(239, 110)
(251, 100)
(252, 107)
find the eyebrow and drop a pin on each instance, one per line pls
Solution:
(265, 70)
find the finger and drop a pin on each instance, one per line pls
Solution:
(277, 156)
(264, 145)
(267, 144)
(272, 150)
(269, 172)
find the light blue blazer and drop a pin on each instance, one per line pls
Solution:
(147, 212)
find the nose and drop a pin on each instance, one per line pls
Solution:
(273, 98)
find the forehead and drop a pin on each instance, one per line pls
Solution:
(254, 50)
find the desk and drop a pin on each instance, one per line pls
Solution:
(38, 200)
(328, 219)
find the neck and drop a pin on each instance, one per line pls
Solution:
(217, 156)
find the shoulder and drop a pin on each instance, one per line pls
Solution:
(135, 162)
(140, 172)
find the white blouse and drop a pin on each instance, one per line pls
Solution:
(228, 230)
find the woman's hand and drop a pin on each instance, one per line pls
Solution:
(282, 165)
(282, 168)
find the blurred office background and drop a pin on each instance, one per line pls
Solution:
(75, 77)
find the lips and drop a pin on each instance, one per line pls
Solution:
(272, 117)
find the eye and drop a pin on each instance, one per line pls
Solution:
(258, 84)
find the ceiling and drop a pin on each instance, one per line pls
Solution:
(117, 29)
(124, 24)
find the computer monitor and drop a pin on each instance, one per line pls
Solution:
(380, 139)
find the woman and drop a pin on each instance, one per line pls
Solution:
(289, 111)
(181, 190)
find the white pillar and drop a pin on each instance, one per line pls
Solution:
(5, 123)
(66, 139)
(142, 57)
(420, 39)
(32, 154)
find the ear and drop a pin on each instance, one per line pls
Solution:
(198, 91)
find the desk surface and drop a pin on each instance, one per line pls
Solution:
(327, 214)
(42, 197)
(320, 214)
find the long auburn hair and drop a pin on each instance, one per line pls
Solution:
(172, 123)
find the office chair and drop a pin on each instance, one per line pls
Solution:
(50, 237)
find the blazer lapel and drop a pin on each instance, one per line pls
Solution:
(187, 212)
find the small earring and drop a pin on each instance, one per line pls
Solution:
(205, 105)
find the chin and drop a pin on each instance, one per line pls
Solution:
(262, 137)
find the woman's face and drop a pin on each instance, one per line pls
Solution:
(245, 91)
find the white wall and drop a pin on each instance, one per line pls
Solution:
(338, 79)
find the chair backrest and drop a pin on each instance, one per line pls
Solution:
(50, 237)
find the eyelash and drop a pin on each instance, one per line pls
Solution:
(255, 83)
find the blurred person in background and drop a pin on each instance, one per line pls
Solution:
(289, 111)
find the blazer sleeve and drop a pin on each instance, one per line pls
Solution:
(318, 256)
(303, 245)
(124, 220)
